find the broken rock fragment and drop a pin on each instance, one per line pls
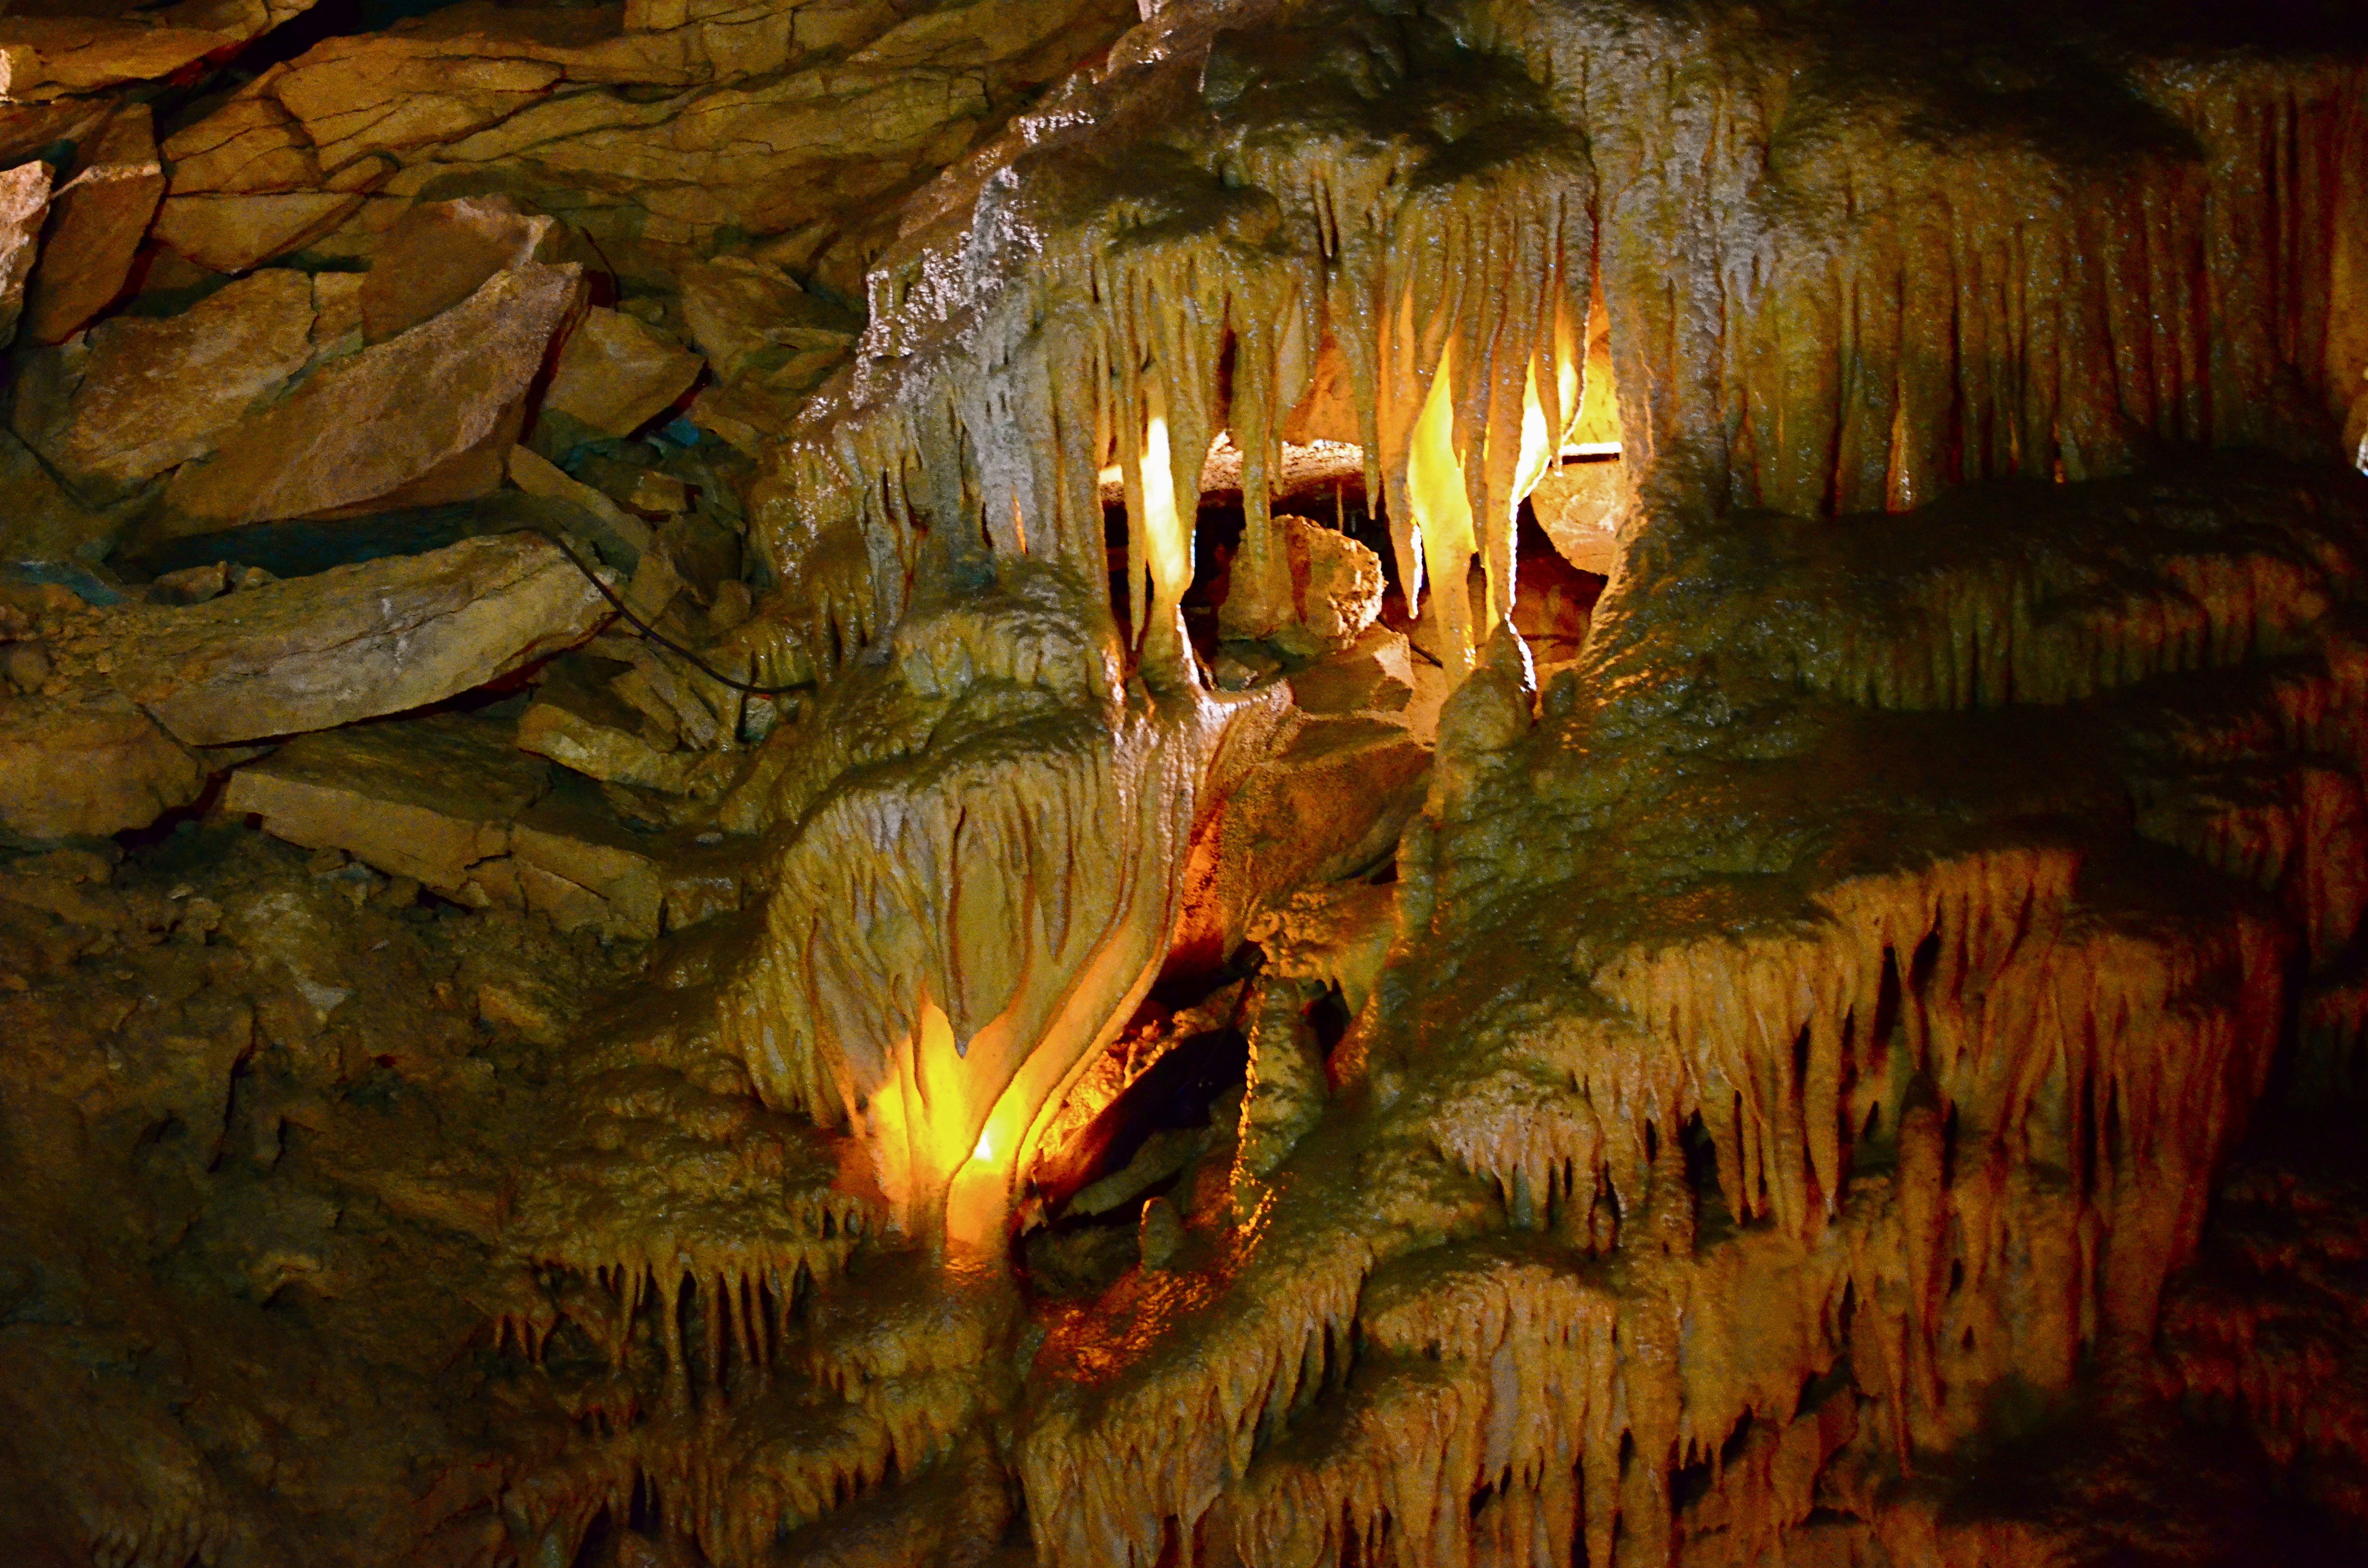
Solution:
(24, 202)
(440, 254)
(138, 396)
(431, 797)
(101, 215)
(447, 799)
(355, 642)
(1578, 505)
(249, 144)
(1317, 590)
(85, 764)
(616, 374)
(364, 433)
(52, 57)
(235, 232)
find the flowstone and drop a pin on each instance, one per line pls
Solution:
(1082, 1002)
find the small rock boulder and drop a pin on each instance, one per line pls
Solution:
(138, 395)
(86, 764)
(360, 435)
(1317, 591)
(616, 375)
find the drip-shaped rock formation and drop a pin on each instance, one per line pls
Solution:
(1074, 924)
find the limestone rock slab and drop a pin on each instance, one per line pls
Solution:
(446, 800)
(431, 797)
(438, 254)
(24, 204)
(237, 233)
(1578, 503)
(248, 145)
(1319, 590)
(360, 433)
(355, 642)
(617, 374)
(50, 57)
(100, 217)
(140, 395)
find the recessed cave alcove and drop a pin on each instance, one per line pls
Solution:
(1281, 784)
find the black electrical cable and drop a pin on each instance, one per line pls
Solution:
(660, 637)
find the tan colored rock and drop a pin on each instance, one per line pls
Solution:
(1319, 590)
(577, 864)
(736, 309)
(437, 254)
(748, 418)
(385, 92)
(430, 798)
(1577, 505)
(29, 129)
(578, 722)
(39, 520)
(982, 33)
(354, 641)
(24, 203)
(237, 233)
(250, 145)
(364, 433)
(337, 314)
(617, 374)
(88, 763)
(622, 713)
(538, 476)
(50, 57)
(445, 800)
(1328, 800)
(138, 394)
(99, 217)
(1375, 675)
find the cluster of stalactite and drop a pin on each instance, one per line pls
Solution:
(1920, 1090)
(1742, 1095)
(1997, 1189)
(1813, 308)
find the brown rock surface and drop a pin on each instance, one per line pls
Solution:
(737, 308)
(24, 202)
(429, 798)
(354, 641)
(100, 217)
(438, 254)
(617, 374)
(49, 57)
(1578, 505)
(248, 145)
(141, 395)
(446, 800)
(360, 433)
(577, 722)
(234, 232)
(388, 92)
(1318, 591)
(39, 520)
(85, 764)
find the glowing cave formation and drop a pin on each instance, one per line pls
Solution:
(1476, 782)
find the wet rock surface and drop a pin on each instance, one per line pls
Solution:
(1296, 785)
